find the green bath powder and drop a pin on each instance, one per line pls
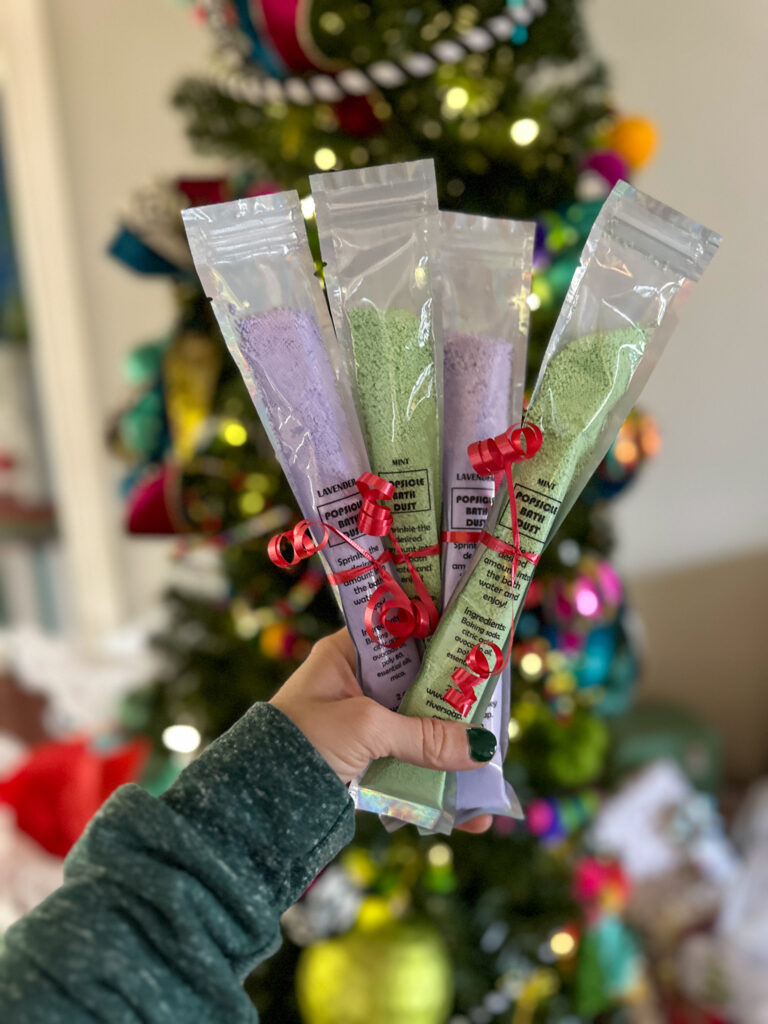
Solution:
(579, 388)
(394, 363)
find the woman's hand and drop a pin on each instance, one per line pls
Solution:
(323, 699)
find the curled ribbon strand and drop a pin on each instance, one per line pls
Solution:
(494, 456)
(399, 615)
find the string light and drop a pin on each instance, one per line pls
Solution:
(524, 131)
(308, 207)
(534, 302)
(252, 502)
(440, 855)
(562, 943)
(513, 729)
(531, 664)
(234, 433)
(456, 98)
(325, 158)
(181, 739)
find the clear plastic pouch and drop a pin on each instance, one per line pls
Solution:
(639, 265)
(378, 233)
(485, 278)
(255, 266)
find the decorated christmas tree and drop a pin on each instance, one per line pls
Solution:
(514, 108)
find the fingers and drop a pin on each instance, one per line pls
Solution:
(432, 743)
(339, 643)
(476, 825)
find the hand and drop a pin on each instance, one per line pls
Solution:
(324, 700)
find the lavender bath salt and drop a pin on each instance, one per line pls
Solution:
(485, 283)
(254, 263)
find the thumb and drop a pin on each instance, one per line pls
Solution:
(433, 743)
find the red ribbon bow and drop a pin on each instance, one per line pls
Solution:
(400, 616)
(495, 455)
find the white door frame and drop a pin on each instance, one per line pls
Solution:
(62, 345)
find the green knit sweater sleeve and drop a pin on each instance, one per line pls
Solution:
(169, 903)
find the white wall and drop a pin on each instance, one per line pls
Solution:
(699, 70)
(118, 62)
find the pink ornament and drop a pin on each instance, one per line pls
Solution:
(540, 817)
(608, 164)
(610, 584)
(586, 597)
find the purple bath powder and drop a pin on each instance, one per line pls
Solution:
(321, 452)
(478, 402)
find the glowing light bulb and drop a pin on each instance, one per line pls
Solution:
(182, 739)
(562, 943)
(587, 601)
(325, 158)
(252, 502)
(234, 433)
(531, 664)
(513, 729)
(534, 302)
(524, 131)
(308, 207)
(440, 855)
(456, 98)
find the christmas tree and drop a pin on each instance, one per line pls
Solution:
(513, 106)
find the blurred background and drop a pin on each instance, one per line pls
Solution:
(139, 614)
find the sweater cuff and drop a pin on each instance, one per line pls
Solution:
(263, 785)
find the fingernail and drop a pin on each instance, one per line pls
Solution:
(482, 744)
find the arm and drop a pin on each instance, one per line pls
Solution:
(169, 903)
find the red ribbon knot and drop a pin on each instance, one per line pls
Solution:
(399, 615)
(494, 455)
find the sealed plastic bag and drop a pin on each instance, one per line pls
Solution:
(639, 265)
(378, 232)
(255, 265)
(485, 281)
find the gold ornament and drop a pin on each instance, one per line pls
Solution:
(398, 973)
(191, 370)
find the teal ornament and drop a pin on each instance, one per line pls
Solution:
(142, 428)
(519, 35)
(142, 366)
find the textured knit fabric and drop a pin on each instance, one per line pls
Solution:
(169, 903)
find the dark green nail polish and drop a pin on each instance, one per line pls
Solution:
(482, 744)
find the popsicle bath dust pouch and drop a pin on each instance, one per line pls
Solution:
(255, 266)
(639, 265)
(378, 235)
(485, 281)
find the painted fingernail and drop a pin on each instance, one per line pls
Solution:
(482, 744)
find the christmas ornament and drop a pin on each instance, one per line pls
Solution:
(191, 369)
(634, 139)
(60, 786)
(154, 504)
(398, 973)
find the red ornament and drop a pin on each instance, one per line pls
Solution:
(356, 117)
(154, 507)
(61, 785)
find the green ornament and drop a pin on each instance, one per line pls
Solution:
(141, 366)
(395, 974)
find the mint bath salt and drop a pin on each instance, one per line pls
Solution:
(639, 264)
(378, 230)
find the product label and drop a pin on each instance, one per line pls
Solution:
(412, 492)
(470, 506)
(385, 673)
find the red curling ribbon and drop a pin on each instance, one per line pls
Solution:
(302, 543)
(402, 617)
(494, 455)
(373, 518)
